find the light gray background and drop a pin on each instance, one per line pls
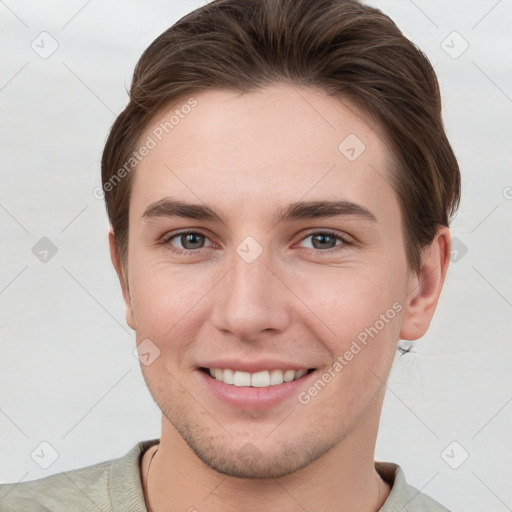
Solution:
(67, 373)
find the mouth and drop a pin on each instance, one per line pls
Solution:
(262, 379)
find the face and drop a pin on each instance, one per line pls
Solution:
(265, 244)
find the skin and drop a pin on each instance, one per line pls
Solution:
(248, 157)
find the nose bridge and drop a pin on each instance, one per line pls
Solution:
(248, 300)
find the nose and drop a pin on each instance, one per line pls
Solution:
(251, 300)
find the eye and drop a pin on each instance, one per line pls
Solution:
(187, 241)
(324, 240)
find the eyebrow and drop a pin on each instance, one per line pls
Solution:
(169, 207)
(173, 208)
(319, 209)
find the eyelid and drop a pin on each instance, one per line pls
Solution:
(166, 239)
(343, 238)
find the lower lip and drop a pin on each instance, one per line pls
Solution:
(244, 397)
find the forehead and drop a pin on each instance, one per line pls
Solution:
(270, 146)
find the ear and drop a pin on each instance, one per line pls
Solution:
(425, 286)
(123, 279)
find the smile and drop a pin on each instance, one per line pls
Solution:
(261, 379)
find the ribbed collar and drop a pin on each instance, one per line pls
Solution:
(126, 494)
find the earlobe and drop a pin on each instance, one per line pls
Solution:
(425, 287)
(121, 274)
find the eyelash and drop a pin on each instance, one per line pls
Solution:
(190, 252)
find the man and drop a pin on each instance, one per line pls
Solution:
(279, 190)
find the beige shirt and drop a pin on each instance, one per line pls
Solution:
(115, 485)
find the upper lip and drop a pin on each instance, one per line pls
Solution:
(254, 366)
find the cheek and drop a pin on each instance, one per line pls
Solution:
(167, 301)
(349, 302)
(363, 314)
(171, 304)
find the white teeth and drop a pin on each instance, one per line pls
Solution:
(262, 379)
(276, 377)
(241, 378)
(300, 373)
(288, 375)
(228, 376)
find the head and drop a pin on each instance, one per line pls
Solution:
(279, 189)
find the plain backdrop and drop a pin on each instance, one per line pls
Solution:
(68, 377)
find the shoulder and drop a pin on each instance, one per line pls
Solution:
(54, 493)
(109, 485)
(404, 497)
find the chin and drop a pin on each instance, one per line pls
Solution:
(257, 459)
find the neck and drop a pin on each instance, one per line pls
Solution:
(343, 479)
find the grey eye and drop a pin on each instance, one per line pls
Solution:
(192, 240)
(321, 240)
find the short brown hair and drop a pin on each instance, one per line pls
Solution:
(349, 50)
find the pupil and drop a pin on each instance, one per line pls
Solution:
(323, 239)
(192, 241)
